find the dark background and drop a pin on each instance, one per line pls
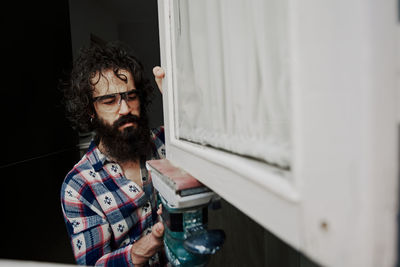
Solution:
(38, 145)
(39, 40)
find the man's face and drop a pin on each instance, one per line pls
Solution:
(108, 83)
(123, 131)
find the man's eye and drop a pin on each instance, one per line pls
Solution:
(132, 96)
(108, 100)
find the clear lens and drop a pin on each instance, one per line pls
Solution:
(111, 102)
(131, 96)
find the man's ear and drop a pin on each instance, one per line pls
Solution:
(92, 112)
(92, 115)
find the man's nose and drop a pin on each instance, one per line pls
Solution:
(124, 107)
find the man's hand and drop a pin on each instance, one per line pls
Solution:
(158, 76)
(148, 245)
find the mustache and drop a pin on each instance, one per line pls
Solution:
(126, 119)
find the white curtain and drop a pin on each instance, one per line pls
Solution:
(233, 79)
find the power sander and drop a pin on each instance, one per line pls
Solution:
(185, 202)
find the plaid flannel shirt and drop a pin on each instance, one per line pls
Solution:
(105, 213)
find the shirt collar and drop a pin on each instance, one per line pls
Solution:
(96, 158)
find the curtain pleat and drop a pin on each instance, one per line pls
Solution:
(233, 85)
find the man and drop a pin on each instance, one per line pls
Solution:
(108, 200)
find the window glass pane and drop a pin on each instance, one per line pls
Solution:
(233, 81)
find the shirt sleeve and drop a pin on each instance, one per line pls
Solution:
(158, 138)
(89, 231)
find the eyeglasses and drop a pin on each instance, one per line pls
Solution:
(112, 102)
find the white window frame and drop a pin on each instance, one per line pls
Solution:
(338, 203)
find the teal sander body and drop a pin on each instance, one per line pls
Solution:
(185, 201)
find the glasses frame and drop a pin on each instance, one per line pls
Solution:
(123, 95)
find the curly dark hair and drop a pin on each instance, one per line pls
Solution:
(78, 89)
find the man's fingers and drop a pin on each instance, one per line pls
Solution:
(159, 211)
(158, 230)
(158, 76)
(158, 72)
(148, 245)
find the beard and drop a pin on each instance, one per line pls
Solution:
(129, 144)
